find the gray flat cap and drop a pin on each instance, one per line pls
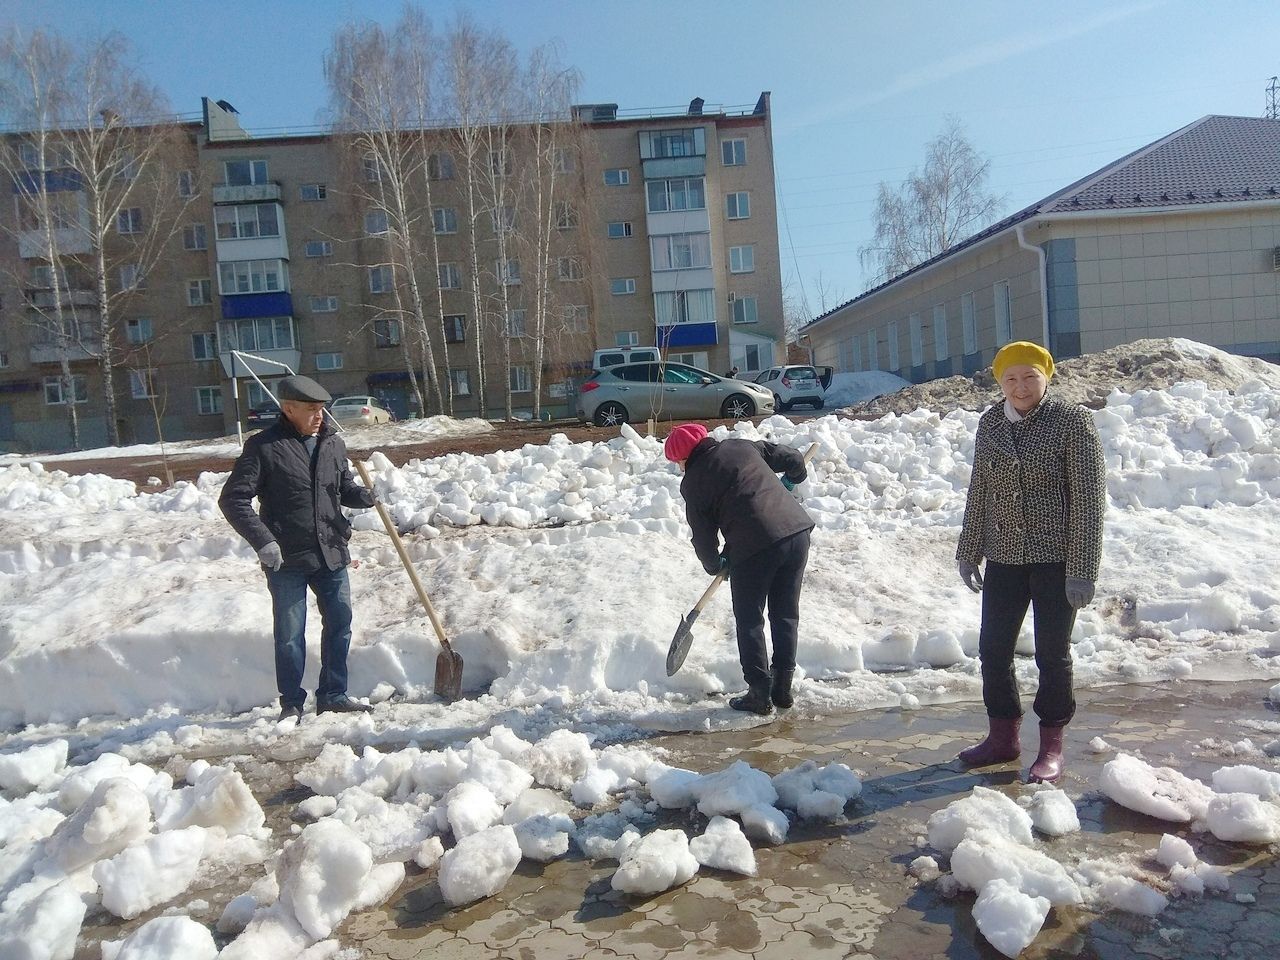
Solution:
(302, 389)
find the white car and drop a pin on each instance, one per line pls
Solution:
(366, 410)
(792, 384)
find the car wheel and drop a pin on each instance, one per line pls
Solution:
(818, 404)
(737, 407)
(610, 414)
(779, 406)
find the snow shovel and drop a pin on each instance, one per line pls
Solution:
(684, 633)
(448, 661)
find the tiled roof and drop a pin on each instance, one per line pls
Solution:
(1216, 159)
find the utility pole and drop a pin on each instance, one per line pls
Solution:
(1273, 99)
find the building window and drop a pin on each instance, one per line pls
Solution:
(509, 273)
(500, 162)
(204, 346)
(257, 333)
(450, 276)
(558, 391)
(440, 166)
(742, 259)
(186, 183)
(194, 237)
(968, 323)
(251, 276)
(328, 361)
(130, 167)
(199, 292)
(372, 168)
(737, 206)
(891, 340)
(617, 177)
(940, 351)
(129, 221)
(733, 153)
(855, 354)
(137, 330)
(244, 173)
(461, 381)
(916, 331)
(622, 286)
(680, 251)
(681, 193)
(65, 208)
(455, 328)
(445, 219)
(618, 229)
(1004, 319)
(684, 306)
(54, 395)
(208, 401)
(521, 381)
(744, 310)
(873, 351)
(515, 323)
(565, 162)
(313, 192)
(575, 318)
(323, 304)
(566, 215)
(568, 268)
(504, 219)
(132, 277)
(247, 221)
(658, 144)
(386, 333)
(319, 248)
(375, 223)
(4, 359)
(627, 338)
(380, 280)
(142, 384)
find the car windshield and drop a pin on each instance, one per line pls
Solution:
(803, 373)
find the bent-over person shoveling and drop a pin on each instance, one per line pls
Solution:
(731, 489)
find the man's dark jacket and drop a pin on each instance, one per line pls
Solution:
(299, 508)
(731, 487)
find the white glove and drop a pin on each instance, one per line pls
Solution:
(270, 556)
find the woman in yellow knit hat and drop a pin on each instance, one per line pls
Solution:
(1034, 512)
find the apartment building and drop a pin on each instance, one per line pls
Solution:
(1178, 239)
(662, 230)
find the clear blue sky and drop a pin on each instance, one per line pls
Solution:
(1049, 92)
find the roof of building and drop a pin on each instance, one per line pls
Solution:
(1214, 160)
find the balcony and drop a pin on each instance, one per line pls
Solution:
(77, 351)
(44, 299)
(246, 193)
(67, 241)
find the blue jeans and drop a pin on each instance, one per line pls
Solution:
(289, 609)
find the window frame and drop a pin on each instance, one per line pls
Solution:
(517, 323)
(455, 327)
(138, 330)
(449, 216)
(506, 276)
(318, 192)
(209, 340)
(729, 152)
(520, 378)
(448, 270)
(332, 365)
(253, 176)
(750, 265)
(79, 390)
(460, 378)
(330, 303)
(325, 248)
(386, 333)
(1002, 311)
(440, 166)
(203, 287)
(941, 345)
(969, 323)
(735, 203)
(628, 286)
(240, 219)
(749, 311)
(281, 274)
(195, 237)
(624, 229)
(214, 394)
(915, 335)
(232, 332)
(385, 278)
(569, 269)
(142, 383)
(665, 184)
(372, 217)
(187, 184)
(129, 221)
(663, 248)
(621, 177)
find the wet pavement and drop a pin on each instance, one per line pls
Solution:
(843, 890)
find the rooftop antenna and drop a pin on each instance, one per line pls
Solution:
(1273, 99)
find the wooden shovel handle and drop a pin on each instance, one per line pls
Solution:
(404, 557)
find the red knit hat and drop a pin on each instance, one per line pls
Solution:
(682, 441)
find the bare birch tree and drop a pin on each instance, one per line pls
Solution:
(933, 209)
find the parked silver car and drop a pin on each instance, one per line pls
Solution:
(366, 410)
(669, 391)
(792, 384)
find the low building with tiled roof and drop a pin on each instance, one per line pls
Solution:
(1178, 239)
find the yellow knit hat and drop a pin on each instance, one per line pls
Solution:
(1019, 352)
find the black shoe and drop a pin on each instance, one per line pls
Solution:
(781, 693)
(289, 710)
(755, 700)
(343, 705)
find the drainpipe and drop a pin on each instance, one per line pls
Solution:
(1044, 284)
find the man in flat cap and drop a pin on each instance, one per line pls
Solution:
(298, 471)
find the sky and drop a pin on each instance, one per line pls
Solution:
(1049, 92)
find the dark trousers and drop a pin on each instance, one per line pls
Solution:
(1006, 591)
(289, 608)
(772, 577)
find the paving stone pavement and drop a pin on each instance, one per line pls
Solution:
(842, 890)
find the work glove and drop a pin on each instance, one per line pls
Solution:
(1079, 592)
(270, 556)
(724, 566)
(788, 483)
(971, 575)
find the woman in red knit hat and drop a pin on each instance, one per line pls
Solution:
(731, 489)
(1037, 495)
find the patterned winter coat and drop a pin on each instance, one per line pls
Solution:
(1038, 490)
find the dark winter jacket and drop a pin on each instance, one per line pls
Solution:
(731, 488)
(1038, 490)
(298, 506)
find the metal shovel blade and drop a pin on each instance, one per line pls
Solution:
(448, 675)
(681, 642)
